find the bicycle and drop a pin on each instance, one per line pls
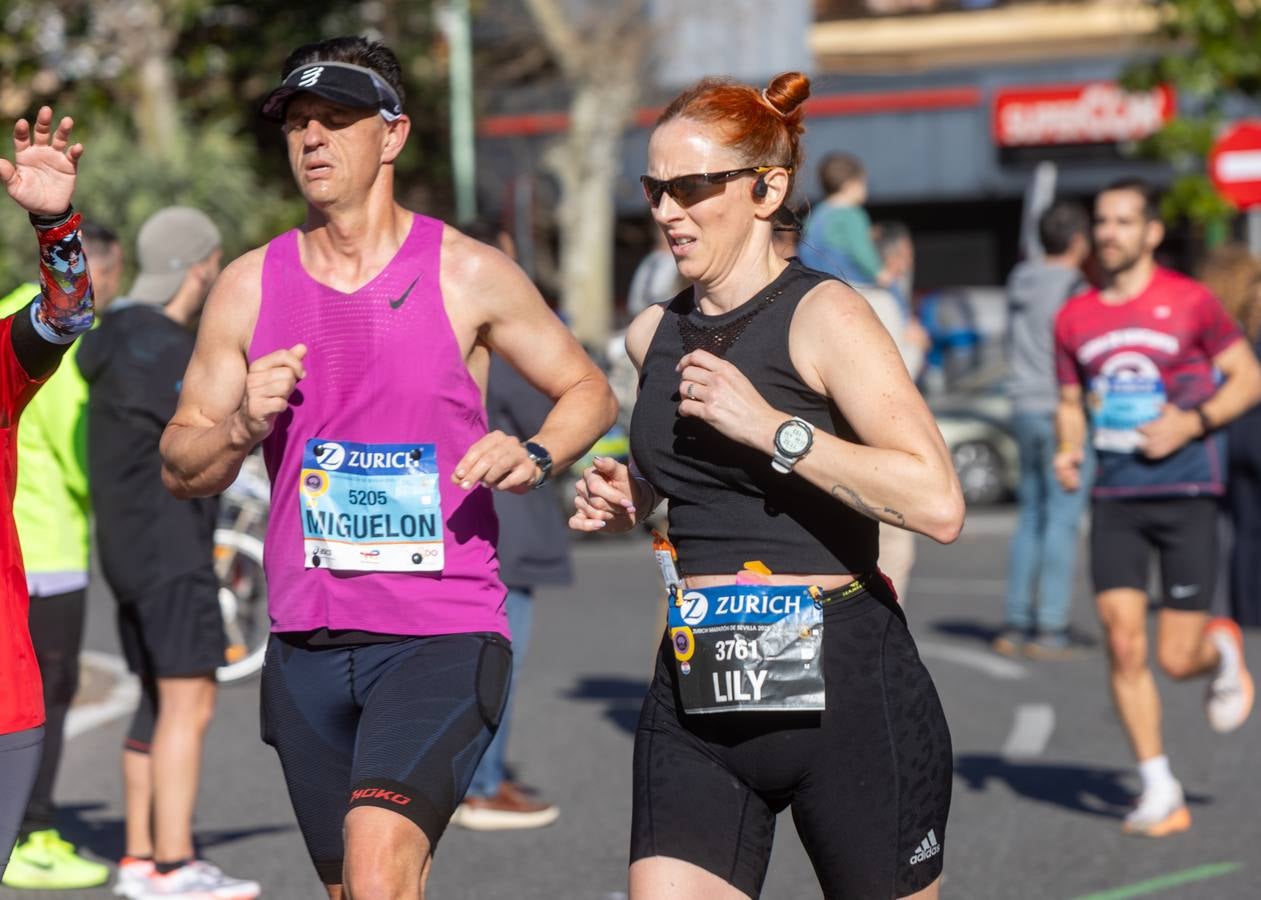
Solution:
(239, 566)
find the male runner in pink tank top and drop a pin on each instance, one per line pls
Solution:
(356, 349)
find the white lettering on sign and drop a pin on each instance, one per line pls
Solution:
(733, 682)
(1097, 113)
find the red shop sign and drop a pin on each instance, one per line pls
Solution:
(1100, 112)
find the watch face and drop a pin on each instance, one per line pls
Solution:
(793, 439)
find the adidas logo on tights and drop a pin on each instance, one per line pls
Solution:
(928, 848)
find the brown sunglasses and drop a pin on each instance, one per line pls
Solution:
(689, 189)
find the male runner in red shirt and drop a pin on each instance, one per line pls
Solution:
(1161, 368)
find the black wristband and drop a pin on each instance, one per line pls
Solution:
(655, 500)
(1205, 424)
(47, 222)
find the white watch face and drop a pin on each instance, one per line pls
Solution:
(793, 439)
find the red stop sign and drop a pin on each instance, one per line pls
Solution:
(1234, 164)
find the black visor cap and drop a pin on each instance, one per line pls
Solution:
(343, 83)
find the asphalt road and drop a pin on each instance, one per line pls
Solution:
(1042, 774)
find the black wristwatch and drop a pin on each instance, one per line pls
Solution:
(540, 457)
(1206, 424)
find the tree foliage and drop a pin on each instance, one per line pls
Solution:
(602, 57)
(165, 93)
(121, 188)
(1210, 51)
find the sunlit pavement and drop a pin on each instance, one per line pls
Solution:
(1042, 770)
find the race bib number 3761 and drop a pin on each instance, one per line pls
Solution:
(371, 507)
(753, 648)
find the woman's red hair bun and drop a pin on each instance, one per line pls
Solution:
(786, 92)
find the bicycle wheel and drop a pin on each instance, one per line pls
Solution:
(243, 602)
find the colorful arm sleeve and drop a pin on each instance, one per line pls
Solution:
(65, 306)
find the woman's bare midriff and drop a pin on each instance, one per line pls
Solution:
(827, 582)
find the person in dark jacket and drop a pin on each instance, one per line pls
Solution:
(533, 551)
(157, 552)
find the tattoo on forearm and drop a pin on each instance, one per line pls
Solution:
(850, 497)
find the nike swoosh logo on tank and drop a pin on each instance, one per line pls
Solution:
(395, 304)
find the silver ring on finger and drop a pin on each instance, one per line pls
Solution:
(691, 386)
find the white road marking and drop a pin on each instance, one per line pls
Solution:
(120, 701)
(1030, 732)
(981, 660)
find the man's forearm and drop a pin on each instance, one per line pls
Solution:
(581, 415)
(199, 461)
(1237, 394)
(1070, 426)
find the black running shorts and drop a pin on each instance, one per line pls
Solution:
(174, 630)
(1181, 530)
(868, 779)
(398, 725)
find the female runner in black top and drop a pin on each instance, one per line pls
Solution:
(778, 419)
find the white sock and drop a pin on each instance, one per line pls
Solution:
(1156, 774)
(1229, 652)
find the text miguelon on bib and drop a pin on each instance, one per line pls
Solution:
(370, 507)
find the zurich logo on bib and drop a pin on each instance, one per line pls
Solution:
(329, 456)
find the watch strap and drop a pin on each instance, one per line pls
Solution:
(783, 462)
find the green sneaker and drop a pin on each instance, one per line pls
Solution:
(45, 861)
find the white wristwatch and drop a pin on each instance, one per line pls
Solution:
(793, 440)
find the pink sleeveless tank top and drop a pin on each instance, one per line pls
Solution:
(384, 370)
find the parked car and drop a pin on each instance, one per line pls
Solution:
(975, 421)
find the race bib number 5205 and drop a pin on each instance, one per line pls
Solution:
(371, 507)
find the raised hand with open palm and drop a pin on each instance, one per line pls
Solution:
(41, 176)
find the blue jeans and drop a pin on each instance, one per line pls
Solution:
(519, 605)
(1044, 547)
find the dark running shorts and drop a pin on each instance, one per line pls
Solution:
(1182, 531)
(399, 725)
(174, 630)
(868, 779)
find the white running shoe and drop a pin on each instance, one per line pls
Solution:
(1228, 700)
(199, 880)
(1161, 811)
(133, 877)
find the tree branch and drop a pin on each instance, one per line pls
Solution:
(558, 35)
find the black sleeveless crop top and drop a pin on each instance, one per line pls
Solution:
(727, 505)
